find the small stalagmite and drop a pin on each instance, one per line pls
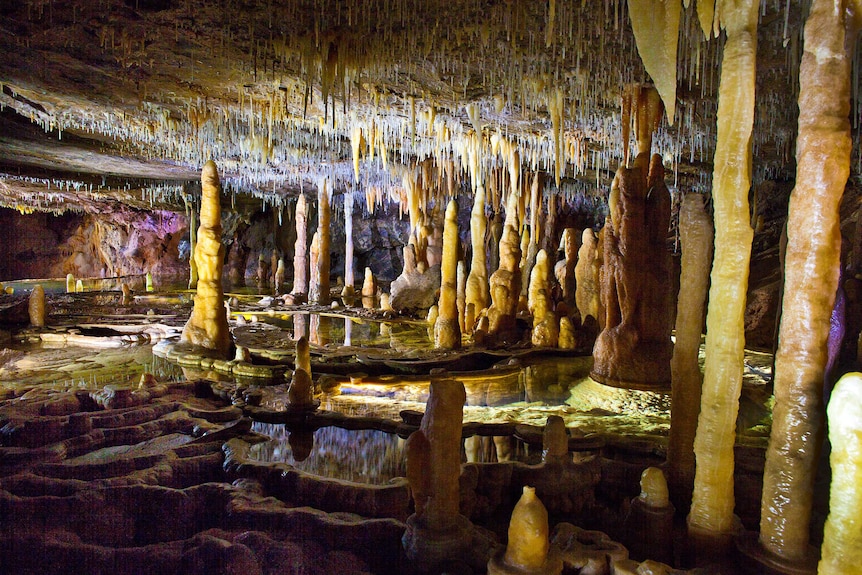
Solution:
(546, 330)
(555, 440)
(527, 550)
(696, 232)
(207, 326)
(70, 283)
(565, 269)
(841, 553)
(369, 289)
(37, 307)
(300, 248)
(279, 276)
(649, 524)
(447, 329)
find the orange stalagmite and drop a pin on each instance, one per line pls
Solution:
(207, 325)
(710, 520)
(811, 272)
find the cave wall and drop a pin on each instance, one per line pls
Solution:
(109, 244)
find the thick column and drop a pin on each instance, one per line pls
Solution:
(320, 293)
(447, 329)
(811, 270)
(207, 326)
(300, 248)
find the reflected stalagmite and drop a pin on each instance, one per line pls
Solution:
(207, 326)
(811, 275)
(696, 232)
(710, 521)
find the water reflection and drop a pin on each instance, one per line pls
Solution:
(361, 456)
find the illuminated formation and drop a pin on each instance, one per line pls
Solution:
(567, 213)
(207, 326)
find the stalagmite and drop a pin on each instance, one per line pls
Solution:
(506, 281)
(313, 258)
(440, 533)
(70, 283)
(279, 276)
(349, 279)
(710, 520)
(447, 329)
(321, 271)
(634, 348)
(555, 440)
(811, 272)
(207, 326)
(587, 276)
(841, 553)
(527, 549)
(565, 269)
(149, 284)
(696, 232)
(461, 296)
(568, 337)
(369, 289)
(477, 281)
(649, 523)
(36, 307)
(300, 248)
(545, 328)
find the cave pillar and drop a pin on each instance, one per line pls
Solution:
(349, 279)
(811, 276)
(319, 292)
(447, 328)
(696, 235)
(300, 248)
(710, 520)
(207, 326)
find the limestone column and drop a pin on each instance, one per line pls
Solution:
(207, 326)
(193, 268)
(811, 274)
(300, 248)
(545, 328)
(506, 281)
(349, 279)
(320, 295)
(710, 520)
(477, 280)
(696, 233)
(447, 329)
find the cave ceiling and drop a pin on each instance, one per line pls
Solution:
(124, 100)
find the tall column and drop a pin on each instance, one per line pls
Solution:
(349, 278)
(811, 271)
(207, 326)
(300, 248)
(320, 295)
(710, 520)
